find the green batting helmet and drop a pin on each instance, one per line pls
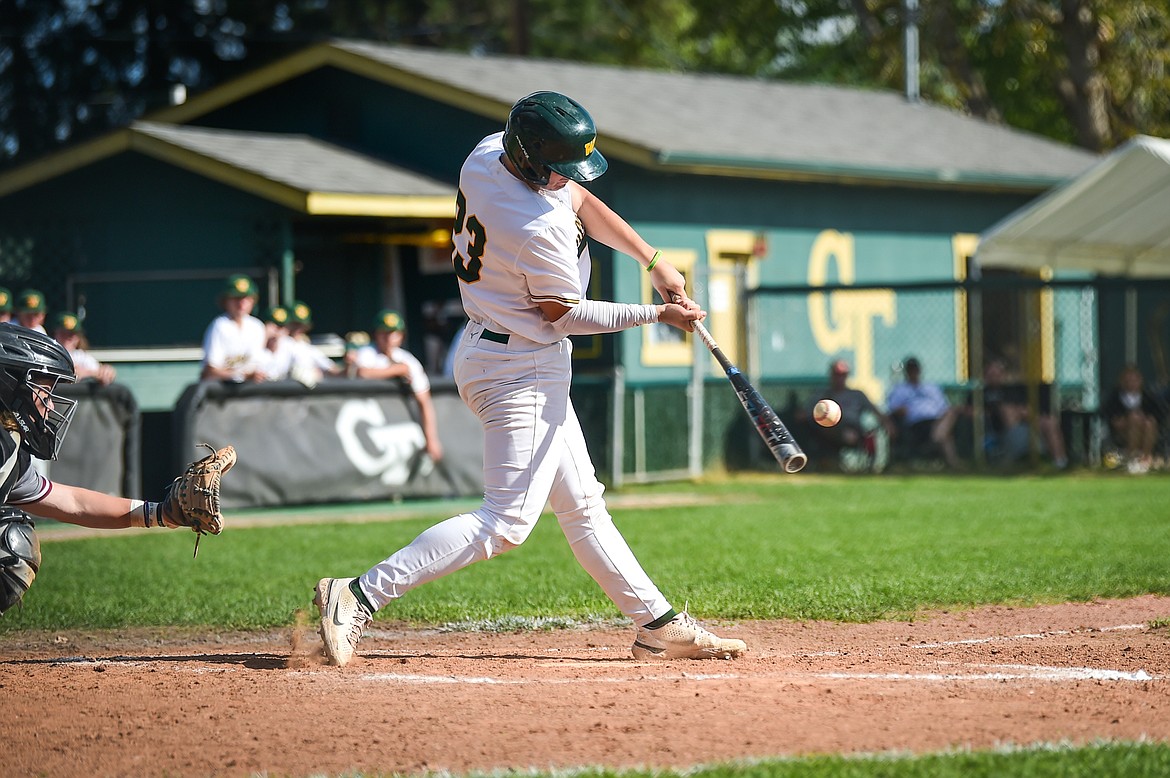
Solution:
(547, 131)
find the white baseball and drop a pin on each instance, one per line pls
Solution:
(826, 413)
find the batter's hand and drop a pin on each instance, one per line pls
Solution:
(671, 285)
(680, 316)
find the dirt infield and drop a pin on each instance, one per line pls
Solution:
(236, 704)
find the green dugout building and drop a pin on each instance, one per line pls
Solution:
(330, 177)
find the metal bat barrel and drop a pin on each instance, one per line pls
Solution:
(776, 436)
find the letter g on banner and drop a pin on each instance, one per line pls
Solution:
(377, 448)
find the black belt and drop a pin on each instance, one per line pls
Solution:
(494, 337)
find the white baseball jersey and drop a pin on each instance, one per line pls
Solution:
(312, 357)
(368, 356)
(236, 347)
(83, 360)
(515, 248)
(277, 363)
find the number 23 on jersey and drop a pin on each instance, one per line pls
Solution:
(467, 268)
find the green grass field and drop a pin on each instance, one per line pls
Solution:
(813, 547)
(1124, 760)
(838, 548)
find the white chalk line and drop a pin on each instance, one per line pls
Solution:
(995, 673)
(1007, 673)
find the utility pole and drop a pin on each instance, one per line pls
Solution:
(911, 47)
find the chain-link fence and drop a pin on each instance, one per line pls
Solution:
(1025, 365)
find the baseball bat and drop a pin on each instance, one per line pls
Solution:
(779, 440)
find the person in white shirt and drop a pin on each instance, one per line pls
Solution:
(234, 341)
(311, 362)
(5, 305)
(279, 348)
(523, 264)
(67, 331)
(385, 358)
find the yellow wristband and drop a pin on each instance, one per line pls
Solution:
(653, 261)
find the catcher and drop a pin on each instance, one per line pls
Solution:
(34, 420)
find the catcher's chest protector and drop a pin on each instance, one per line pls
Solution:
(13, 461)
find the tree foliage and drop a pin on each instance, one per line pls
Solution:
(1090, 72)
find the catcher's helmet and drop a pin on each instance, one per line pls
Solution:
(547, 131)
(31, 366)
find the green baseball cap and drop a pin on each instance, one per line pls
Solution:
(389, 321)
(30, 301)
(278, 315)
(356, 340)
(68, 321)
(239, 285)
(300, 313)
(5, 300)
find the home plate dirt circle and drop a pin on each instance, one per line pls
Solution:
(182, 703)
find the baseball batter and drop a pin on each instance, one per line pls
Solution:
(523, 265)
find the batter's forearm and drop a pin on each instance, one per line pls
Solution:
(592, 317)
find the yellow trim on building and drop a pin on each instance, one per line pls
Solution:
(963, 247)
(346, 204)
(663, 345)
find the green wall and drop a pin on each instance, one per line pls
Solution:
(132, 215)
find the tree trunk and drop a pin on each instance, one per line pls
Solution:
(520, 41)
(1082, 87)
(954, 57)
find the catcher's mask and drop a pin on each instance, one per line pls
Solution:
(31, 366)
(547, 131)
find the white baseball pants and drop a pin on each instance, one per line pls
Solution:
(534, 453)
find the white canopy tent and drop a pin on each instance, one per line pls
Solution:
(1113, 219)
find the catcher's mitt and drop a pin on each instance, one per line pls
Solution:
(192, 499)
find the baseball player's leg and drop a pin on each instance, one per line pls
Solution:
(522, 440)
(662, 632)
(577, 499)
